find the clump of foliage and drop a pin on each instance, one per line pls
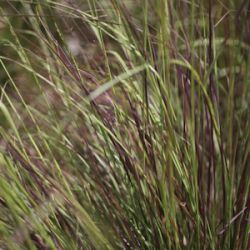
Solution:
(124, 124)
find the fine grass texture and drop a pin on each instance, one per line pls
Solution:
(124, 124)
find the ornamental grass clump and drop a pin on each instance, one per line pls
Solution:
(124, 124)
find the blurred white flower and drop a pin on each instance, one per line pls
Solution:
(74, 45)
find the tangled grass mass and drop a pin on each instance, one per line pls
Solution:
(124, 124)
